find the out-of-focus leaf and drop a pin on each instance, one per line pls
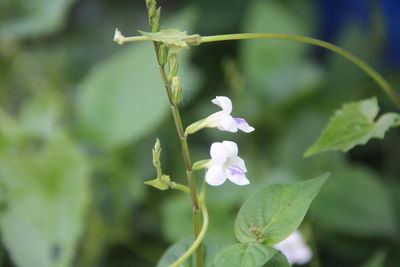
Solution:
(244, 255)
(377, 259)
(354, 124)
(123, 98)
(273, 213)
(355, 202)
(177, 219)
(276, 68)
(210, 248)
(47, 194)
(40, 115)
(33, 18)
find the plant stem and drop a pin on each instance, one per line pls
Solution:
(368, 69)
(186, 158)
(198, 240)
(180, 187)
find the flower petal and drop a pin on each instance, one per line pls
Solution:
(232, 147)
(219, 153)
(238, 161)
(243, 125)
(215, 176)
(224, 102)
(294, 248)
(236, 175)
(227, 123)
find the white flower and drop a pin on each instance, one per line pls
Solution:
(224, 164)
(223, 119)
(294, 248)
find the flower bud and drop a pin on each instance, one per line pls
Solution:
(163, 54)
(152, 9)
(156, 153)
(148, 2)
(176, 90)
(173, 66)
(156, 21)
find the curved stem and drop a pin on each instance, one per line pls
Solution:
(198, 240)
(368, 69)
(180, 187)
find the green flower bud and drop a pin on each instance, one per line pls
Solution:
(152, 9)
(156, 21)
(176, 90)
(173, 66)
(148, 2)
(157, 153)
(163, 54)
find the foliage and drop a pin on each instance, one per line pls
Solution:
(79, 115)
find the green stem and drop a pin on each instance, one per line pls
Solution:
(186, 157)
(180, 187)
(198, 240)
(369, 70)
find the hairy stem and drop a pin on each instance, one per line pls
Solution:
(364, 66)
(198, 240)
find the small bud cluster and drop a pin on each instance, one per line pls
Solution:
(154, 15)
(173, 79)
(162, 181)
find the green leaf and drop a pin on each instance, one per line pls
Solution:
(377, 259)
(244, 255)
(360, 202)
(277, 69)
(210, 248)
(354, 124)
(40, 116)
(177, 219)
(123, 98)
(31, 18)
(273, 213)
(46, 200)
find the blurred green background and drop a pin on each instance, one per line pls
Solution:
(79, 115)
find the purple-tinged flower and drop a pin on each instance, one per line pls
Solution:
(225, 164)
(294, 248)
(221, 119)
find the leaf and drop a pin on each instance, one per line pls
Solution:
(40, 116)
(361, 205)
(47, 195)
(123, 98)
(244, 255)
(354, 124)
(177, 223)
(277, 69)
(32, 18)
(377, 259)
(210, 248)
(273, 213)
